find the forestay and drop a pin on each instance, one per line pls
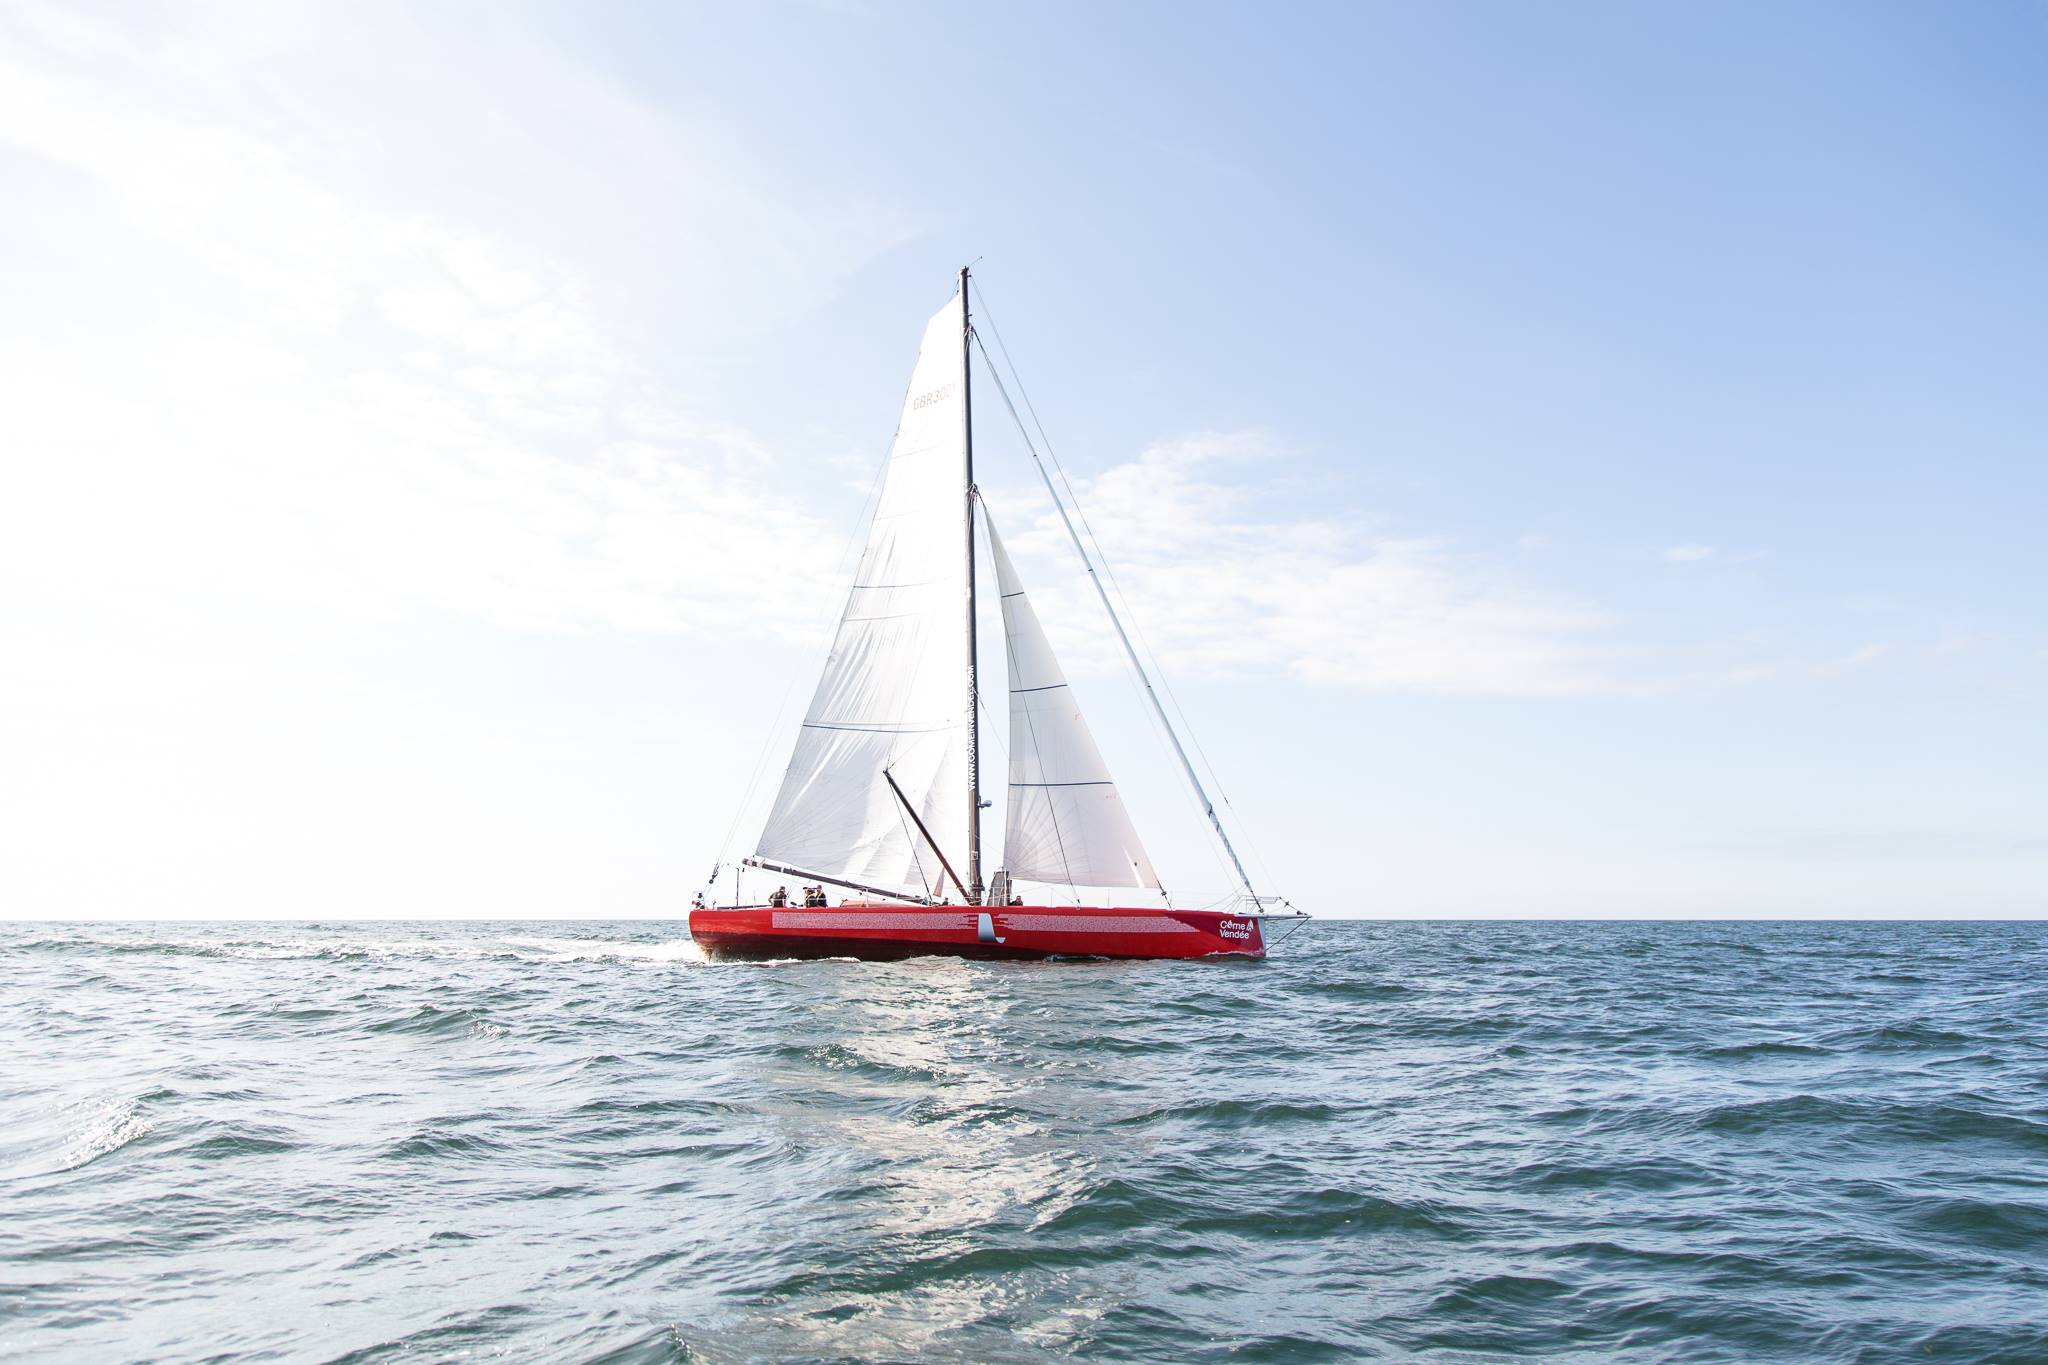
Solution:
(1065, 822)
(893, 696)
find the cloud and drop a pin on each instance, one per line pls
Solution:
(1222, 585)
(1693, 553)
(289, 371)
(1860, 658)
(282, 378)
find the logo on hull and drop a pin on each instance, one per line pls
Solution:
(1237, 929)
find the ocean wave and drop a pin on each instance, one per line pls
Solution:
(1452, 1142)
(1594, 1174)
(1237, 1113)
(1908, 1035)
(2001, 1224)
(1766, 1047)
(429, 1021)
(440, 1144)
(108, 1132)
(238, 1146)
(672, 953)
(1499, 1293)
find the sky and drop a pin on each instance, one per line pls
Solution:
(1570, 460)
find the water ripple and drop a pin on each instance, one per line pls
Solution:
(1458, 1142)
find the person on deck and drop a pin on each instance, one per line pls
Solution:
(779, 897)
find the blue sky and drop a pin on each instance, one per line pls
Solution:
(1568, 460)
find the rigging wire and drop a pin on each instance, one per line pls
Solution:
(1109, 572)
(1030, 726)
(1159, 737)
(904, 695)
(993, 731)
(789, 688)
(1101, 557)
(916, 858)
(1162, 727)
(869, 506)
(1051, 813)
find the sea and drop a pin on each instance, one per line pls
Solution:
(1430, 1141)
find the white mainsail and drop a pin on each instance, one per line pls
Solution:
(1064, 822)
(894, 693)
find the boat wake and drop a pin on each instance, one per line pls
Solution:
(630, 952)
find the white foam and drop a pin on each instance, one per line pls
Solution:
(667, 954)
(111, 1130)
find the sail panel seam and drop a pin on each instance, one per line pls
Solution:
(878, 729)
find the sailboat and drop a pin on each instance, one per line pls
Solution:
(883, 794)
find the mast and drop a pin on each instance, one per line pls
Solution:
(973, 685)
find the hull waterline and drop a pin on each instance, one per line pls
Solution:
(1007, 931)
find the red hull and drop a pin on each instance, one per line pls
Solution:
(1003, 931)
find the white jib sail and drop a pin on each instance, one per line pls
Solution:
(894, 693)
(1065, 822)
